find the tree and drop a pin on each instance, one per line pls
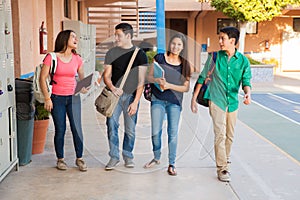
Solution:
(251, 11)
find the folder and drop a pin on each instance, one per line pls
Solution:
(86, 82)
(158, 72)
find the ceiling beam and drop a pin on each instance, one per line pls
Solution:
(99, 3)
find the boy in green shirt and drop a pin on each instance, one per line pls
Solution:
(231, 71)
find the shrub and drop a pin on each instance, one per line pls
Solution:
(254, 62)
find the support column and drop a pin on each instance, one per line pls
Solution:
(160, 26)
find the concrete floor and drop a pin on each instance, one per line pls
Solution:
(260, 170)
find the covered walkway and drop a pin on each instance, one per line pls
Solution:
(260, 169)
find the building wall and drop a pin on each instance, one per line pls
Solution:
(271, 31)
(28, 21)
(28, 17)
(202, 29)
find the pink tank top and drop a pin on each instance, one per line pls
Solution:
(65, 75)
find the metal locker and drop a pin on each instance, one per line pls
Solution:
(4, 142)
(12, 134)
(2, 24)
(93, 46)
(8, 27)
(8, 141)
(3, 76)
(10, 80)
(81, 36)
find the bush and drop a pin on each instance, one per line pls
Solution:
(254, 62)
(271, 61)
(150, 55)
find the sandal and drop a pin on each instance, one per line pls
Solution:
(172, 170)
(152, 163)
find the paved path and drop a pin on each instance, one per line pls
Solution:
(260, 168)
(275, 113)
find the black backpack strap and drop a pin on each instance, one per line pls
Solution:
(214, 54)
(212, 63)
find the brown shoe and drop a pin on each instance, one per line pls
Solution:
(61, 165)
(81, 164)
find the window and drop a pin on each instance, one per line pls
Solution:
(79, 10)
(296, 24)
(67, 10)
(226, 22)
(251, 27)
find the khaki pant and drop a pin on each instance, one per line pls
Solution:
(224, 124)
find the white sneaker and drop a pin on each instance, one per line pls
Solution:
(224, 176)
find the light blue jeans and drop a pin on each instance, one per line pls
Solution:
(129, 132)
(158, 110)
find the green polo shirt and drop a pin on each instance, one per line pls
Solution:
(227, 78)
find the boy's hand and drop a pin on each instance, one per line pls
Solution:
(247, 99)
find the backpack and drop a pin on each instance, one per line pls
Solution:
(37, 91)
(200, 98)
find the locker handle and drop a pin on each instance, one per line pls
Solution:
(6, 31)
(10, 88)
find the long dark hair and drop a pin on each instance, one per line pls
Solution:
(186, 69)
(61, 42)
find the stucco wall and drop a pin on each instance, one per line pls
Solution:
(254, 43)
(270, 30)
(31, 13)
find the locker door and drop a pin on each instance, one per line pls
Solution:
(8, 27)
(4, 145)
(12, 133)
(80, 33)
(3, 76)
(2, 24)
(10, 80)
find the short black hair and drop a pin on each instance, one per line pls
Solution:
(126, 28)
(232, 32)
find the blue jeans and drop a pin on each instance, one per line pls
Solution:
(70, 106)
(158, 110)
(129, 125)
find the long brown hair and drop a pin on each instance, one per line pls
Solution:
(61, 42)
(186, 69)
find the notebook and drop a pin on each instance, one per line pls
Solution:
(158, 72)
(86, 82)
